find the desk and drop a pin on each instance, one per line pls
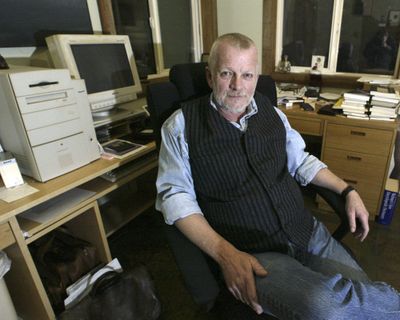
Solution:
(358, 151)
(84, 220)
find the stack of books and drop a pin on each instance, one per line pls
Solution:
(384, 106)
(355, 104)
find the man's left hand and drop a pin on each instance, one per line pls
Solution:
(355, 209)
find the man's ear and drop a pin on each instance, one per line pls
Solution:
(209, 77)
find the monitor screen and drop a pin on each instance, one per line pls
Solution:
(103, 66)
(105, 62)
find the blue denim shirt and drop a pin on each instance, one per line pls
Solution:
(176, 197)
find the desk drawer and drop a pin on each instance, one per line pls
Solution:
(306, 126)
(6, 236)
(367, 166)
(371, 205)
(368, 190)
(358, 139)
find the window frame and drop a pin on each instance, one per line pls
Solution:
(296, 71)
(155, 26)
(107, 19)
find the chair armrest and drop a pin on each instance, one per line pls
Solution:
(197, 275)
(338, 205)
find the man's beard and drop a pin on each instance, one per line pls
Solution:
(231, 109)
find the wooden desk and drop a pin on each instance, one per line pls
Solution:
(358, 151)
(84, 220)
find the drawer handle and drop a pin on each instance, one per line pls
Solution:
(353, 158)
(358, 133)
(353, 182)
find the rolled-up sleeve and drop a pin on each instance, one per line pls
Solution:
(301, 165)
(176, 197)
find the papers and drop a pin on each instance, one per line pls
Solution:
(82, 287)
(57, 206)
(9, 170)
(377, 80)
(16, 193)
(329, 96)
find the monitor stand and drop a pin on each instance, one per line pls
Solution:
(122, 111)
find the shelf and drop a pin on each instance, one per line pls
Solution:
(115, 216)
(102, 187)
(68, 181)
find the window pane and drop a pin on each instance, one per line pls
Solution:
(369, 37)
(306, 30)
(132, 18)
(176, 31)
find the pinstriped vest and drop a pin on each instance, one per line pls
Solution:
(241, 179)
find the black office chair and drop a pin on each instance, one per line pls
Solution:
(188, 81)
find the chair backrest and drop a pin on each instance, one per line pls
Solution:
(162, 100)
(190, 80)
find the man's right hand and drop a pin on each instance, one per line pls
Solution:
(239, 269)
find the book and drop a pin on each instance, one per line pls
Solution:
(385, 94)
(356, 96)
(119, 148)
(383, 110)
(381, 118)
(389, 202)
(385, 99)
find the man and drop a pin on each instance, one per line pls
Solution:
(226, 169)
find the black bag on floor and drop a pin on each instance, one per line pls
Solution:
(118, 296)
(61, 259)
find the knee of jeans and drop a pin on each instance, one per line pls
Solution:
(274, 260)
(288, 295)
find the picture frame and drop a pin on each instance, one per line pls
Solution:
(394, 18)
(317, 63)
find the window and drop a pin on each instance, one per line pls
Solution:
(353, 36)
(162, 33)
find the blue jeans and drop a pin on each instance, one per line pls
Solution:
(326, 284)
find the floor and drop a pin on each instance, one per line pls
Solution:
(142, 242)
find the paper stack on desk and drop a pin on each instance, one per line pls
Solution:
(355, 104)
(384, 106)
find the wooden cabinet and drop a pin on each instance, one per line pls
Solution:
(358, 151)
(360, 155)
(313, 127)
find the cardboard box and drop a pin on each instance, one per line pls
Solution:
(389, 201)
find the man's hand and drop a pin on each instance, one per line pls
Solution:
(239, 269)
(355, 209)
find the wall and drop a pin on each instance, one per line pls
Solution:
(241, 16)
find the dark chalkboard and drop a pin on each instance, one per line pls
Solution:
(26, 23)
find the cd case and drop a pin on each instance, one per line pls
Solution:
(120, 147)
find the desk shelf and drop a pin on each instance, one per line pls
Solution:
(83, 219)
(115, 216)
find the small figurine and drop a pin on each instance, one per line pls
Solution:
(3, 63)
(284, 64)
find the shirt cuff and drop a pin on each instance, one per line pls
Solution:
(308, 169)
(177, 206)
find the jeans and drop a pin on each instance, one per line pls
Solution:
(326, 284)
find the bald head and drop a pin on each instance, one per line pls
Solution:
(235, 40)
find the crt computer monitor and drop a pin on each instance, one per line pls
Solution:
(105, 62)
